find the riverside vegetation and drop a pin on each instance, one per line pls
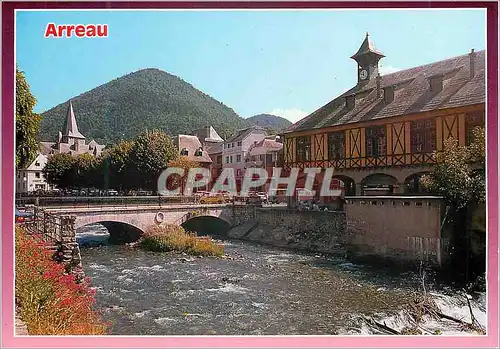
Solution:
(51, 301)
(174, 238)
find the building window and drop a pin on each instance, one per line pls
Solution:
(37, 174)
(303, 148)
(472, 121)
(238, 172)
(37, 163)
(198, 152)
(184, 152)
(376, 141)
(227, 159)
(232, 145)
(423, 136)
(336, 145)
(231, 159)
(238, 158)
(239, 144)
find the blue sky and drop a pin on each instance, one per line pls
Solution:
(284, 62)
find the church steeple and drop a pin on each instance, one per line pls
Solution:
(70, 128)
(367, 58)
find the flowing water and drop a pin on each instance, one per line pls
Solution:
(256, 290)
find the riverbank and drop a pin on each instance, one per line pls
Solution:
(49, 301)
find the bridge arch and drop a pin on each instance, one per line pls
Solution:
(207, 225)
(119, 232)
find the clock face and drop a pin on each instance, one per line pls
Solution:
(363, 74)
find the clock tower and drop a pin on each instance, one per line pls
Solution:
(367, 58)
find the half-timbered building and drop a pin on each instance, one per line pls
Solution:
(380, 136)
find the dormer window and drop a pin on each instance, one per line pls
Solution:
(436, 83)
(350, 101)
(184, 152)
(198, 152)
(389, 94)
(37, 163)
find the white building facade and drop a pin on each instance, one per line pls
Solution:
(31, 179)
(236, 148)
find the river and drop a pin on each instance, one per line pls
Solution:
(256, 290)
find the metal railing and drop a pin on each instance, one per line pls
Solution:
(47, 226)
(105, 201)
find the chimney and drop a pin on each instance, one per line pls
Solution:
(389, 94)
(379, 80)
(472, 56)
(350, 101)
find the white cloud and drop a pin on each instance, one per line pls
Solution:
(388, 70)
(293, 115)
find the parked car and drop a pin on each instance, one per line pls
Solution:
(213, 199)
(22, 217)
(144, 193)
(112, 192)
(93, 192)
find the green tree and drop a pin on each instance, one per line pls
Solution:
(84, 168)
(61, 171)
(27, 122)
(113, 168)
(185, 163)
(149, 155)
(459, 177)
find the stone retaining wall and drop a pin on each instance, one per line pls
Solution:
(407, 229)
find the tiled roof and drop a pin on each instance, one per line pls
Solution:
(412, 94)
(266, 145)
(213, 148)
(207, 134)
(192, 143)
(242, 134)
(46, 148)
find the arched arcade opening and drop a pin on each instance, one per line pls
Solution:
(379, 184)
(413, 184)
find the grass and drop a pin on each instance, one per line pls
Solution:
(175, 238)
(50, 301)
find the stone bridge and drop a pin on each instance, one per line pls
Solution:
(128, 223)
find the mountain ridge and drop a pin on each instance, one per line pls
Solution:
(148, 98)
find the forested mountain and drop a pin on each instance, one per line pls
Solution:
(269, 121)
(145, 99)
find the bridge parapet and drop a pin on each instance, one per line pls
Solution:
(59, 231)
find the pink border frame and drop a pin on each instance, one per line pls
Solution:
(8, 65)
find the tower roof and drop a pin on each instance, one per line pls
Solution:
(70, 128)
(367, 48)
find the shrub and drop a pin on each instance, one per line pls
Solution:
(50, 301)
(175, 238)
